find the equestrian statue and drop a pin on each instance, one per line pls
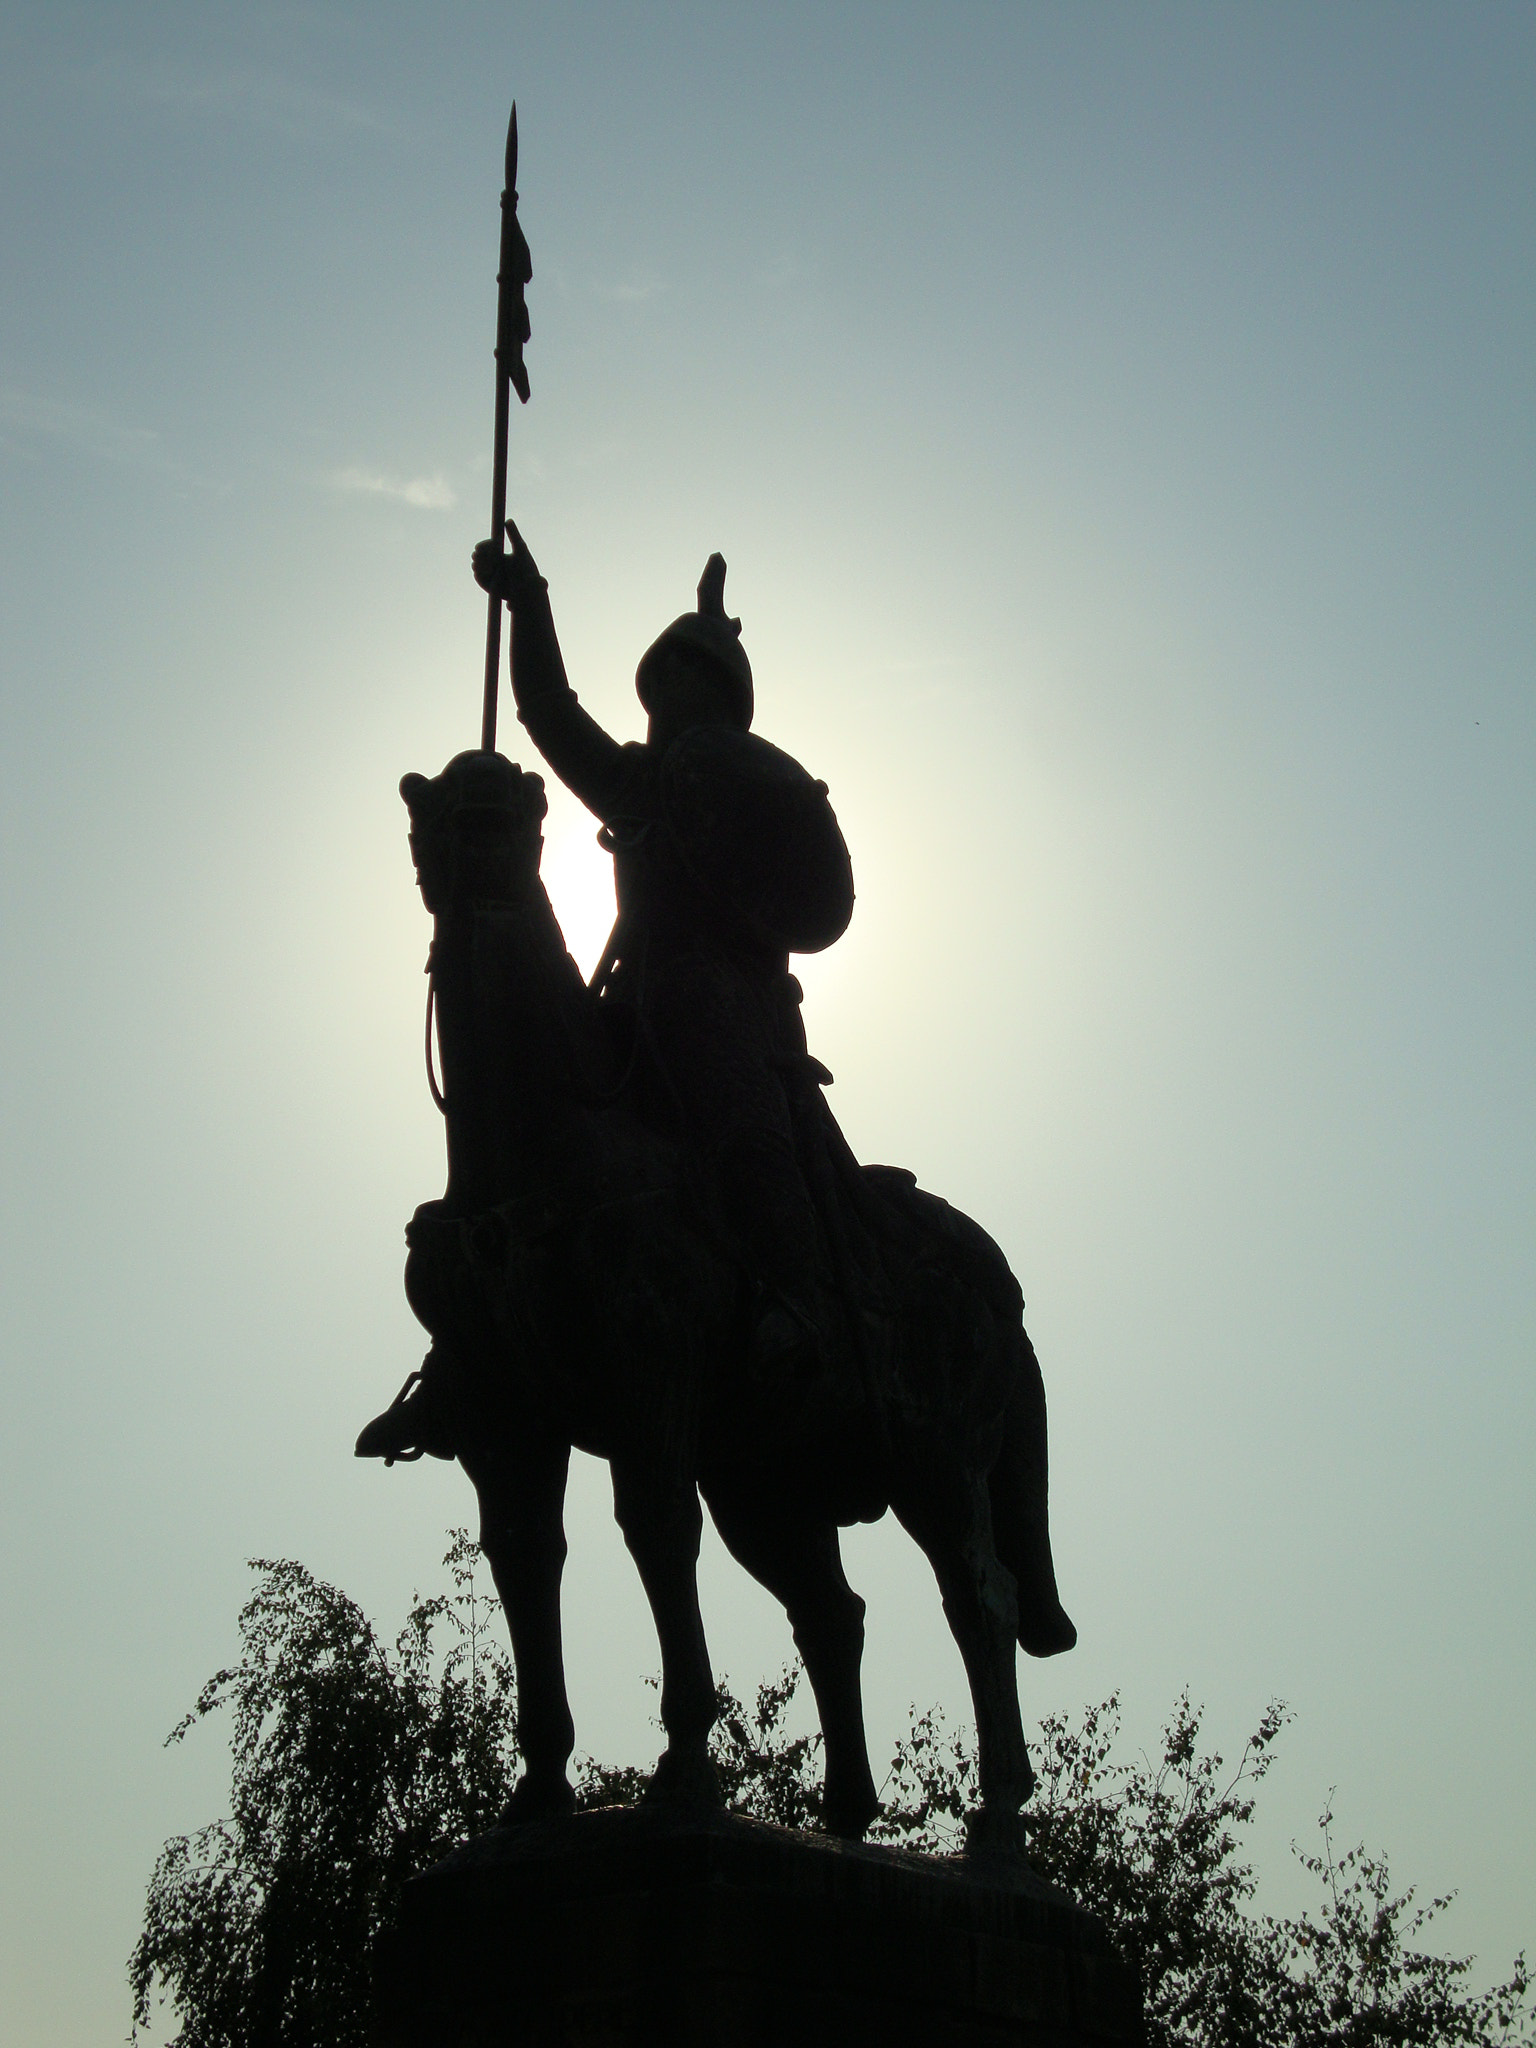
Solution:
(656, 1245)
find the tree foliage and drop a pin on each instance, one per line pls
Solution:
(765, 1772)
(356, 1765)
(1152, 1845)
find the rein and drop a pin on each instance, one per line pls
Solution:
(437, 1094)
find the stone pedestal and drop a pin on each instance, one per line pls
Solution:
(626, 1928)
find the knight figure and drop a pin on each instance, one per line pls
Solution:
(727, 858)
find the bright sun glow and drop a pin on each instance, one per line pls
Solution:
(579, 878)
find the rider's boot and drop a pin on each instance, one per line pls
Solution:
(770, 1214)
(414, 1425)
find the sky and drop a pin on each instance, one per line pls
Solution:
(1118, 423)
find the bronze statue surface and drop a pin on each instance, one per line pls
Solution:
(656, 1245)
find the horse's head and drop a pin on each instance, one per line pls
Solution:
(475, 831)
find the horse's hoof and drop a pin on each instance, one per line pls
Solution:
(849, 1814)
(1047, 1633)
(686, 1781)
(994, 1835)
(538, 1798)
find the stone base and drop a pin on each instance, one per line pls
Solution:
(631, 1928)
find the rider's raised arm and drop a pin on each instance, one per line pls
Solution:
(587, 760)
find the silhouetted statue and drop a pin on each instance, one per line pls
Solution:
(656, 1245)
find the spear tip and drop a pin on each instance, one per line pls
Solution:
(511, 177)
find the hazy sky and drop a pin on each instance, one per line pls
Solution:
(1118, 421)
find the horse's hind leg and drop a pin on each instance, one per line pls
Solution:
(796, 1557)
(660, 1517)
(949, 1515)
(522, 1532)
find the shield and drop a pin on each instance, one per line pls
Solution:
(758, 833)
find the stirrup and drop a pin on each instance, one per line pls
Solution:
(393, 1436)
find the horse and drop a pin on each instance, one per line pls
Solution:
(579, 1292)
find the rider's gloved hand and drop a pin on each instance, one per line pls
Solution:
(515, 577)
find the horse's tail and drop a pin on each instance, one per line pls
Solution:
(1021, 1529)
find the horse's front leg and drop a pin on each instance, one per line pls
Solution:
(796, 1557)
(660, 1516)
(522, 1532)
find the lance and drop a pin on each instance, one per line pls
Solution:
(512, 330)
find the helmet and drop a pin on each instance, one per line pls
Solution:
(707, 632)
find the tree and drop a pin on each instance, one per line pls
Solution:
(1151, 1846)
(355, 1765)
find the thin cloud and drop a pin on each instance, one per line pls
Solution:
(426, 493)
(25, 416)
(290, 106)
(599, 454)
(629, 293)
